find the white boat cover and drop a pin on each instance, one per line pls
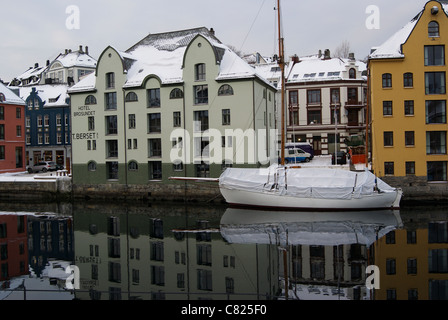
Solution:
(321, 183)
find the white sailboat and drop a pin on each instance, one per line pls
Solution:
(280, 186)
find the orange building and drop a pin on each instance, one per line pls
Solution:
(12, 131)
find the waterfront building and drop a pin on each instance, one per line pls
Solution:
(326, 101)
(44, 89)
(12, 135)
(408, 102)
(174, 104)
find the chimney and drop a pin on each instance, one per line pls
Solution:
(212, 31)
(36, 65)
(87, 50)
(327, 54)
(351, 56)
(80, 49)
(295, 59)
(48, 63)
(66, 51)
(320, 54)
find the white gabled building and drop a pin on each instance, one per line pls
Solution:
(317, 86)
(174, 104)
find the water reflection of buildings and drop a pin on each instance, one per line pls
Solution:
(414, 261)
(13, 246)
(325, 253)
(167, 253)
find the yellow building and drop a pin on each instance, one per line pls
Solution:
(408, 104)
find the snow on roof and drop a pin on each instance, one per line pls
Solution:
(76, 59)
(391, 48)
(52, 95)
(35, 71)
(313, 68)
(9, 96)
(162, 55)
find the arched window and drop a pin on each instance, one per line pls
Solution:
(131, 96)
(176, 93)
(133, 166)
(408, 79)
(387, 80)
(352, 73)
(2, 97)
(90, 100)
(225, 90)
(91, 166)
(433, 29)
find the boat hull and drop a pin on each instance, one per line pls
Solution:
(273, 200)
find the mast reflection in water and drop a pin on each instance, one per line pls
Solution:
(201, 252)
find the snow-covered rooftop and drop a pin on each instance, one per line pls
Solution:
(53, 95)
(76, 58)
(314, 68)
(9, 96)
(162, 55)
(392, 47)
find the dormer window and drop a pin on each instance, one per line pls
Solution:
(433, 29)
(352, 73)
(2, 97)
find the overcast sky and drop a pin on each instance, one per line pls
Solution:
(36, 31)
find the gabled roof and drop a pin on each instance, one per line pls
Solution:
(162, 55)
(392, 47)
(52, 95)
(9, 96)
(75, 59)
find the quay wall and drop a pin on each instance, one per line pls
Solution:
(62, 189)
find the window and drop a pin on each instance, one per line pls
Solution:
(410, 167)
(200, 120)
(390, 266)
(433, 29)
(111, 100)
(412, 266)
(389, 168)
(436, 142)
(90, 100)
(352, 73)
(111, 125)
(438, 261)
(352, 95)
(409, 138)
(313, 96)
(58, 120)
(112, 171)
(177, 120)
(154, 123)
(110, 80)
(2, 152)
(91, 166)
(435, 83)
(155, 170)
(408, 80)
(133, 166)
(436, 171)
(314, 116)
(225, 90)
(435, 111)
(153, 98)
(293, 98)
(2, 97)
(409, 108)
(2, 132)
(112, 148)
(434, 55)
(199, 72)
(176, 93)
(335, 96)
(200, 94)
(91, 123)
(132, 123)
(2, 113)
(18, 131)
(388, 138)
(18, 113)
(155, 148)
(387, 108)
(225, 117)
(387, 80)
(46, 120)
(131, 97)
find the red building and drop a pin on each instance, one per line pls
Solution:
(12, 131)
(13, 246)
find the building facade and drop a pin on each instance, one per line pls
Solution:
(326, 102)
(47, 122)
(408, 101)
(174, 104)
(12, 135)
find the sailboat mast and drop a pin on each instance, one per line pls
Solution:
(281, 62)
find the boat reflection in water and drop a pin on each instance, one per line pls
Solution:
(324, 255)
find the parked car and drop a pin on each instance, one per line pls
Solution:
(296, 155)
(43, 166)
(340, 156)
